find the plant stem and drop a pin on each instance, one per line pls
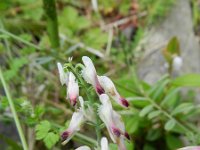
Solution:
(52, 22)
(16, 119)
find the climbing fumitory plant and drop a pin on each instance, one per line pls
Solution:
(96, 111)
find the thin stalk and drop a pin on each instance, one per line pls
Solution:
(52, 22)
(16, 119)
(19, 39)
(6, 43)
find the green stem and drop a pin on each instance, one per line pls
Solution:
(85, 138)
(17, 123)
(52, 22)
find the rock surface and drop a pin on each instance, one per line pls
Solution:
(177, 23)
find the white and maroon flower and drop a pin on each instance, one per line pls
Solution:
(112, 120)
(90, 75)
(63, 75)
(110, 89)
(74, 126)
(83, 148)
(72, 89)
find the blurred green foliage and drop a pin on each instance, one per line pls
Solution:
(40, 100)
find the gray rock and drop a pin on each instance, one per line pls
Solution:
(177, 23)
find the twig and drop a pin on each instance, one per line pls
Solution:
(109, 45)
(66, 111)
(122, 21)
(12, 107)
(87, 48)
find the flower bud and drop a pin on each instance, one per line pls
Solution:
(110, 89)
(73, 89)
(74, 126)
(104, 143)
(90, 75)
(63, 75)
(177, 63)
(112, 120)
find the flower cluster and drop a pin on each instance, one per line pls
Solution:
(106, 90)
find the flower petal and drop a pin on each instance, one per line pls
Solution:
(62, 74)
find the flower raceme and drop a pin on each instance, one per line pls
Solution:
(110, 89)
(90, 75)
(104, 88)
(113, 122)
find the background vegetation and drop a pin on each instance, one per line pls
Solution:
(35, 35)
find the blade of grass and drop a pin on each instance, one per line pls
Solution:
(19, 39)
(12, 107)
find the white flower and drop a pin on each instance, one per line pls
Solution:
(190, 148)
(87, 112)
(90, 75)
(95, 5)
(177, 63)
(104, 143)
(112, 120)
(63, 75)
(74, 126)
(110, 89)
(83, 148)
(73, 89)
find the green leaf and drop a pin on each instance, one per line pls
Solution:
(51, 139)
(187, 80)
(12, 143)
(173, 46)
(170, 124)
(146, 110)
(154, 114)
(132, 123)
(42, 129)
(183, 108)
(173, 142)
(154, 134)
(171, 97)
